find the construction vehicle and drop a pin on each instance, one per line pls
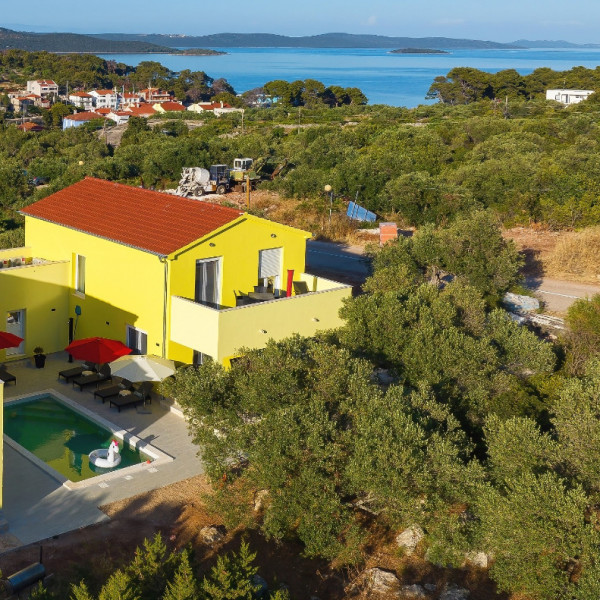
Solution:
(243, 174)
(196, 181)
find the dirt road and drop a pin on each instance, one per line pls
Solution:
(557, 294)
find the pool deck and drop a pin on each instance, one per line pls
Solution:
(37, 506)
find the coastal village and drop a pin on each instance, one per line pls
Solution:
(116, 106)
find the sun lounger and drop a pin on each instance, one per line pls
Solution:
(138, 396)
(76, 371)
(6, 376)
(94, 378)
(113, 390)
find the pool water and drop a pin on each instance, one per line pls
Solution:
(61, 437)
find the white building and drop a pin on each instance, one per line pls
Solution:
(81, 100)
(42, 87)
(568, 96)
(105, 98)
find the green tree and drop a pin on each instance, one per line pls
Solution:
(583, 338)
(232, 577)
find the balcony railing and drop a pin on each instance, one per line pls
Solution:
(220, 333)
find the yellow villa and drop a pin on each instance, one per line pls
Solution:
(166, 275)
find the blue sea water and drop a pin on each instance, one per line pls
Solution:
(394, 79)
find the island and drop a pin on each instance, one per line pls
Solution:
(199, 52)
(418, 51)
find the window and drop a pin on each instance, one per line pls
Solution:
(80, 274)
(137, 340)
(208, 282)
(269, 269)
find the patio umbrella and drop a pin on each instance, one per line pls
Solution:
(97, 349)
(9, 340)
(142, 368)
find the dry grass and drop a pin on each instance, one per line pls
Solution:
(576, 256)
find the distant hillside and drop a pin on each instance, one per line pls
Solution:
(72, 42)
(552, 44)
(325, 40)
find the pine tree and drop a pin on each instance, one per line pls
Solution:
(119, 587)
(184, 585)
(231, 578)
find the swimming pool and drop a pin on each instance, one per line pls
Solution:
(53, 431)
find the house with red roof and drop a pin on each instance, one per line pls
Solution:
(42, 87)
(176, 277)
(216, 108)
(153, 95)
(120, 117)
(144, 110)
(82, 100)
(163, 107)
(29, 126)
(105, 98)
(130, 99)
(79, 119)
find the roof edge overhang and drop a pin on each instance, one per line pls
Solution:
(101, 237)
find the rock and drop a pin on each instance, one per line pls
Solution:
(413, 591)
(380, 581)
(453, 592)
(259, 498)
(430, 587)
(410, 538)
(478, 559)
(212, 534)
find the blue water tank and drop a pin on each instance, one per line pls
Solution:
(26, 577)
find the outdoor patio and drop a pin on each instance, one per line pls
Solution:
(37, 506)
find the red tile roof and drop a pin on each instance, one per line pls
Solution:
(153, 221)
(172, 106)
(105, 92)
(29, 126)
(102, 111)
(81, 95)
(83, 116)
(141, 111)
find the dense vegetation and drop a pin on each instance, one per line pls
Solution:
(426, 165)
(155, 573)
(477, 438)
(463, 85)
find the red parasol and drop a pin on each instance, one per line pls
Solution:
(9, 340)
(97, 349)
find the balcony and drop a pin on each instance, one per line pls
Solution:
(221, 332)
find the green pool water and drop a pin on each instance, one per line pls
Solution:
(62, 437)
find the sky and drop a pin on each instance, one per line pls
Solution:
(496, 20)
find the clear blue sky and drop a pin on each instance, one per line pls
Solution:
(498, 20)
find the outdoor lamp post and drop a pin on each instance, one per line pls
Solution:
(329, 190)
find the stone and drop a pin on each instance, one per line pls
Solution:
(453, 592)
(380, 581)
(412, 591)
(212, 534)
(410, 538)
(478, 559)
(259, 497)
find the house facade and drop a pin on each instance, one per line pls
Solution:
(82, 100)
(568, 96)
(79, 119)
(166, 275)
(42, 87)
(105, 98)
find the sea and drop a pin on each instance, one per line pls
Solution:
(385, 78)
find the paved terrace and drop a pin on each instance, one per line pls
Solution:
(37, 506)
